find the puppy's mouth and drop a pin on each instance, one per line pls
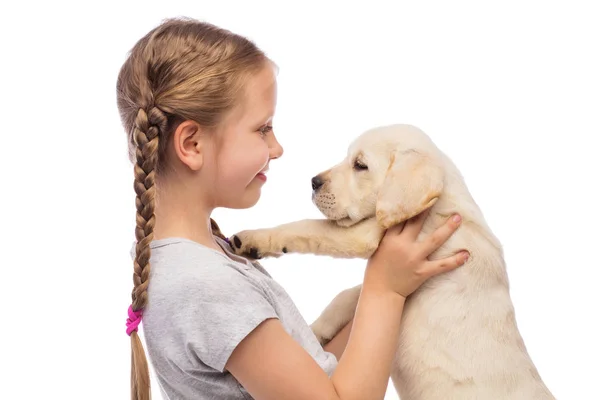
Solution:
(326, 203)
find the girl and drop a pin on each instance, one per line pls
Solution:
(197, 102)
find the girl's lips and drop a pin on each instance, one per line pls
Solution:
(261, 176)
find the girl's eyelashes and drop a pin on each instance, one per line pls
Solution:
(265, 129)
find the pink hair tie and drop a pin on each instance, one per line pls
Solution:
(135, 317)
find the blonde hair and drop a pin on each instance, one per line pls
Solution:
(181, 70)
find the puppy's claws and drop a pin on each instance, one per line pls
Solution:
(253, 252)
(255, 244)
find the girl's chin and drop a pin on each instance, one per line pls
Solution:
(247, 199)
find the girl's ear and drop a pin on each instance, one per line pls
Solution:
(187, 142)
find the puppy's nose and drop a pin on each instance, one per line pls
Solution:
(317, 182)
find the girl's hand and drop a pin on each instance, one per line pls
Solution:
(400, 263)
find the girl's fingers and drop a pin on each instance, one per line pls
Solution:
(447, 264)
(440, 235)
(415, 224)
(396, 229)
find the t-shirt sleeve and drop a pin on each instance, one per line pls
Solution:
(225, 308)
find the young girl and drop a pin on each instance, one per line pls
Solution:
(197, 103)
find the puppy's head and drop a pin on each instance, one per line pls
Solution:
(392, 173)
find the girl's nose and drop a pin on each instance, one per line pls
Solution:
(276, 150)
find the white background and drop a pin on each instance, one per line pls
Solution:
(509, 90)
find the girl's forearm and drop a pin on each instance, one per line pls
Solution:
(364, 367)
(338, 344)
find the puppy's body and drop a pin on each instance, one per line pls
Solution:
(459, 338)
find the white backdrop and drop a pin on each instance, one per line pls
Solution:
(509, 90)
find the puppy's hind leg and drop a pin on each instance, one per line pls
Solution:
(336, 315)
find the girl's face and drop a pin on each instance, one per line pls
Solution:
(245, 145)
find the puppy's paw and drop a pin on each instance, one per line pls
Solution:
(323, 330)
(255, 244)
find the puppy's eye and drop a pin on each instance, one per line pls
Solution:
(360, 166)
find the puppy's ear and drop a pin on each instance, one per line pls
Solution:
(412, 184)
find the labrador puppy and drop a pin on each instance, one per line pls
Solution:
(459, 338)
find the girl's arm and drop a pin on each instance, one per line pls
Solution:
(339, 342)
(270, 364)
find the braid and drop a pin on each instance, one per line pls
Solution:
(216, 230)
(146, 134)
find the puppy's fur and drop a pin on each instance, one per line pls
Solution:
(459, 338)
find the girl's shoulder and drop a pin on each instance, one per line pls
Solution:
(180, 264)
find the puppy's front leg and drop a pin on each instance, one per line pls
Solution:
(310, 236)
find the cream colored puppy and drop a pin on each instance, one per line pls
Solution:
(459, 337)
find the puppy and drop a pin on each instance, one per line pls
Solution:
(459, 338)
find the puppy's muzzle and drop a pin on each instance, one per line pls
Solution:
(317, 182)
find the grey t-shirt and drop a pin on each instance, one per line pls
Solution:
(201, 304)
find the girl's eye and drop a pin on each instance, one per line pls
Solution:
(265, 129)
